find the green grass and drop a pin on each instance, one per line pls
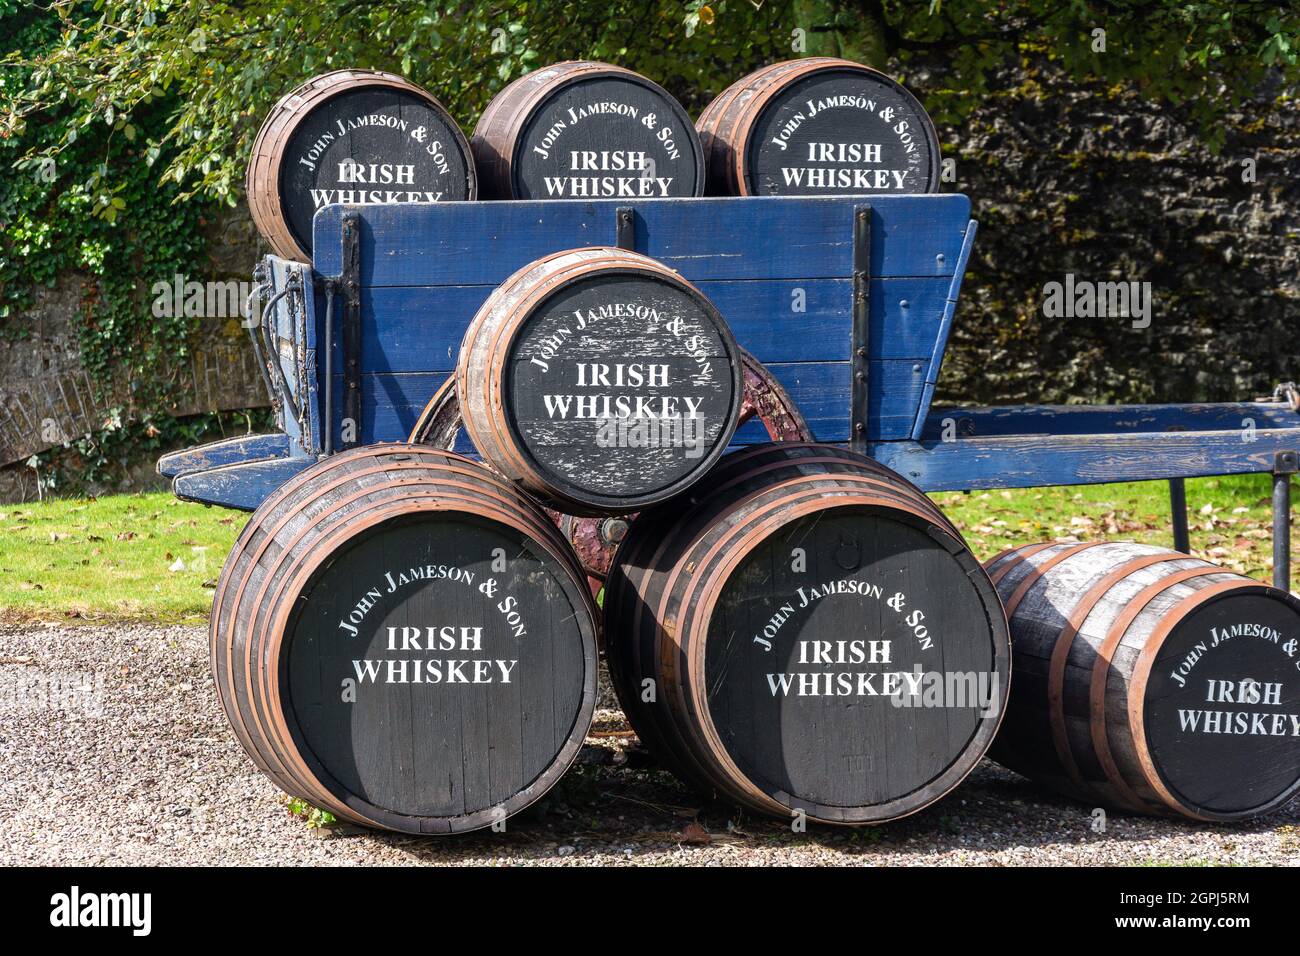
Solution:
(153, 558)
(1230, 518)
(124, 557)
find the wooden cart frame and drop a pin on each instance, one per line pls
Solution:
(848, 302)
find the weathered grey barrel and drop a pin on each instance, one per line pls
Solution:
(818, 126)
(1150, 681)
(587, 130)
(402, 638)
(600, 380)
(352, 136)
(807, 634)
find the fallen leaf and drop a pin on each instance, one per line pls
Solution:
(695, 834)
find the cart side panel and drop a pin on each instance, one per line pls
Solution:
(292, 348)
(425, 270)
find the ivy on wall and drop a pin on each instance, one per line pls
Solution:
(98, 210)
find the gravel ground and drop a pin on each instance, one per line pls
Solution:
(113, 750)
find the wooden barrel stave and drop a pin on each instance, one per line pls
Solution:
(669, 577)
(265, 576)
(761, 512)
(304, 528)
(273, 193)
(720, 125)
(394, 513)
(815, 500)
(733, 130)
(503, 397)
(766, 512)
(279, 558)
(530, 116)
(1065, 596)
(1093, 624)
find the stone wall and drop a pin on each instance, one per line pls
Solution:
(1101, 183)
(47, 397)
(46, 394)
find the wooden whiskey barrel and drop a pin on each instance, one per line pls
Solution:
(586, 130)
(818, 126)
(595, 538)
(600, 380)
(352, 136)
(807, 633)
(1150, 681)
(402, 638)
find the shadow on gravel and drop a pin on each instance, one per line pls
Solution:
(603, 812)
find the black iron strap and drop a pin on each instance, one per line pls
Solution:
(860, 403)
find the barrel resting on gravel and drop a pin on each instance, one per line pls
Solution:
(152, 776)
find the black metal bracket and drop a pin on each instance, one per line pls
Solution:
(860, 401)
(327, 387)
(350, 280)
(253, 322)
(1178, 510)
(625, 228)
(347, 286)
(1285, 464)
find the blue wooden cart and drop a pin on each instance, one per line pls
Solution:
(848, 302)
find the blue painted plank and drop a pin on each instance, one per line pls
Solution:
(1106, 419)
(705, 239)
(227, 451)
(894, 388)
(390, 402)
(419, 329)
(243, 486)
(822, 392)
(1032, 461)
(935, 364)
